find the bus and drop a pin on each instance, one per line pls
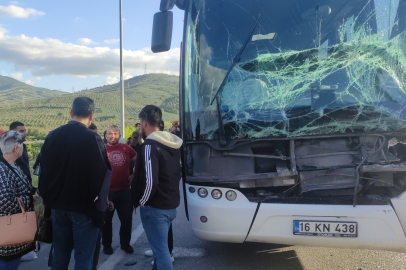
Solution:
(293, 116)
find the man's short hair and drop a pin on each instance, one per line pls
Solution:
(113, 126)
(92, 126)
(82, 107)
(137, 124)
(161, 125)
(152, 114)
(14, 125)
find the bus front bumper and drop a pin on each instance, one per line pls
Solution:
(379, 226)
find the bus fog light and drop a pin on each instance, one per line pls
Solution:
(202, 192)
(231, 195)
(203, 219)
(216, 194)
(192, 190)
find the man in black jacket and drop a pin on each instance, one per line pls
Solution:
(74, 183)
(155, 186)
(22, 162)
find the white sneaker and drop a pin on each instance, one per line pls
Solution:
(149, 253)
(172, 258)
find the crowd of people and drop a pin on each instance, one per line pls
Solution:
(84, 180)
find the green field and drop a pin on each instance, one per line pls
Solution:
(42, 115)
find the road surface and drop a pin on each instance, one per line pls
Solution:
(191, 253)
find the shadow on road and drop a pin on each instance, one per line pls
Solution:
(253, 256)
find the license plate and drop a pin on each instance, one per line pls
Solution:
(325, 228)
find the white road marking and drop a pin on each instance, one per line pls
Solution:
(182, 252)
(119, 254)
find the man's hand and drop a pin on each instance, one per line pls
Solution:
(130, 179)
(111, 206)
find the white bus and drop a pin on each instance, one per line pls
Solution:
(293, 117)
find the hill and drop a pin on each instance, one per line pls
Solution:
(12, 90)
(42, 115)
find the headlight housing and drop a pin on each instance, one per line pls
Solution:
(216, 194)
(202, 192)
(231, 195)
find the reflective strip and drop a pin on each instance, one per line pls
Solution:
(148, 175)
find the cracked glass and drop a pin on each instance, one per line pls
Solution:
(311, 67)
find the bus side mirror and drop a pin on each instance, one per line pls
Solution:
(167, 5)
(181, 4)
(162, 31)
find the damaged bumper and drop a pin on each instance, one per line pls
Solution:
(380, 227)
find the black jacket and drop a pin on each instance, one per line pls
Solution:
(24, 163)
(73, 164)
(158, 172)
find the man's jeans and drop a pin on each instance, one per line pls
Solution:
(73, 230)
(156, 223)
(124, 206)
(10, 265)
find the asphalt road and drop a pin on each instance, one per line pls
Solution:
(191, 253)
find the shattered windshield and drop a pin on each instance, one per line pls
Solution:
(312, 67)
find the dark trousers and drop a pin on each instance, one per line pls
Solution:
(123, 205)
(170, 239)
(70, 231)
(96, 254)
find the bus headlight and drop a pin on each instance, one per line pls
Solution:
(216, 194)
(231, 195)
(202, 192)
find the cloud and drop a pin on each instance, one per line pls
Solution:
(127, 76)
(38, 78)
(3, 73)
(85, 41)
(30, 82)
(77, 19)
(110, 80)
(17, 76)
(111, 41)
(13, 11)
(47, 57)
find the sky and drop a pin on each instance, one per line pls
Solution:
(75, 44)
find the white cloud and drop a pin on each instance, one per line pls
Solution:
(85, 41)
(47, 57)
(17, 76)
(79, 76)
(127, 76)
(13, 11)
(112, 41)
(38, 78)
(30, 82)
(77, 19)
(110, 80)
(3, 73)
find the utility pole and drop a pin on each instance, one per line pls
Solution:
(145, 69)
(73, 90)
(121, 71)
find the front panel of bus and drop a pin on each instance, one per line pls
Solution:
(299, 141)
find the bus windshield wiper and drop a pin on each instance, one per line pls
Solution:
(236, 60)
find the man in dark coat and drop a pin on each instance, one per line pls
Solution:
(74, 183)
(23, 162)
